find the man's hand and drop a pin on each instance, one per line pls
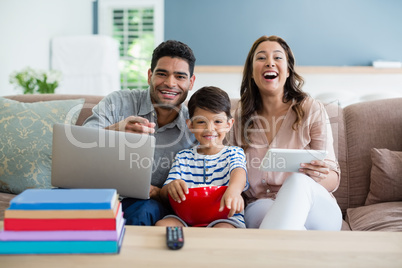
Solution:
(134, 124)
(154, 193)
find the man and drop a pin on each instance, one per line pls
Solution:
(157, 111)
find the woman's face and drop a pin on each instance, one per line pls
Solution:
(270, 68)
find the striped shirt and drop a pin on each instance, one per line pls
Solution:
(199, 170)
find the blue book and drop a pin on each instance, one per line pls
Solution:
(60, 199)
(62, 247)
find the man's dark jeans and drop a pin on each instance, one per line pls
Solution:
(143, 212)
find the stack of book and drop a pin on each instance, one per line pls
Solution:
(63, 221)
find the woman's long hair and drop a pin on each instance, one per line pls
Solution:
(250, 98)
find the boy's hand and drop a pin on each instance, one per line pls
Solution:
(232, 200)
(177, 190)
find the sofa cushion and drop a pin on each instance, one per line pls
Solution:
(378, 217)
(386, 176)
(26, 141)
(335, 114)
(372, 124)
(4, 203)
(86, 111)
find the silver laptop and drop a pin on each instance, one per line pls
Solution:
(86, 157)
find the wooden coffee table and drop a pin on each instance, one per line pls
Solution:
(146, 247)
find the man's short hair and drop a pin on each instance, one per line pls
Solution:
(174, 49)
(210, 98)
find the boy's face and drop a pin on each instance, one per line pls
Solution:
(209, 129)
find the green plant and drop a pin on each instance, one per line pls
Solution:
(36, 81)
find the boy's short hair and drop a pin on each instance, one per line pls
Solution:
(210, 98)
(174, 49)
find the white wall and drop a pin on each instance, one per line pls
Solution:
(329, 87)
(26, 28)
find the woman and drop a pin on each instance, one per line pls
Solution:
(274, 112)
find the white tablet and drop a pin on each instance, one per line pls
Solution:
(289, 160)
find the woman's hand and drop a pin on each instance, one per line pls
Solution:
(177, 189)
(321, 172)
(233, 200)
(318, 170)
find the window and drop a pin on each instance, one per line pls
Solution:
(138, 27)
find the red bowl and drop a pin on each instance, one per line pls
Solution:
(201, 206)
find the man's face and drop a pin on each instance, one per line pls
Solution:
(170, 82)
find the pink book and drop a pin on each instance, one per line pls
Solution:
(112, 235)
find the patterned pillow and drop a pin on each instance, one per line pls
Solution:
(26, 141)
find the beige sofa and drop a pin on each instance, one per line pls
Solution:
(357, 129)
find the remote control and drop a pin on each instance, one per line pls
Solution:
(174, 237)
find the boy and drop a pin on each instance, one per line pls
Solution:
(211, 162)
